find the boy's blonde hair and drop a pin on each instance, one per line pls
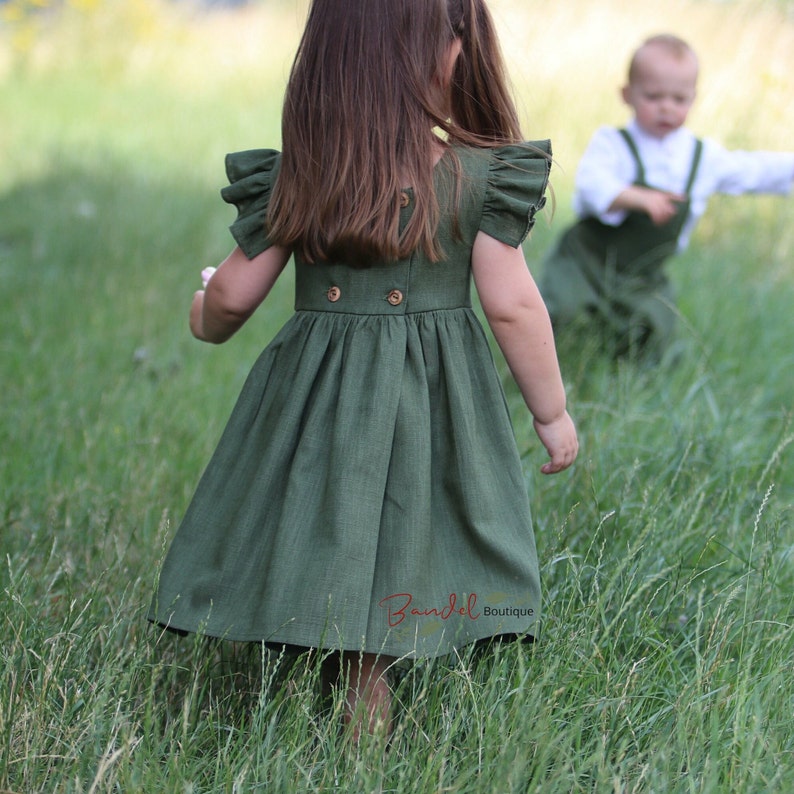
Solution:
(672, 44)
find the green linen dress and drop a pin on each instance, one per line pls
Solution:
(615, 274)
(367, 492)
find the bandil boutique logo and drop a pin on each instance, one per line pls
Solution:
(404, 611)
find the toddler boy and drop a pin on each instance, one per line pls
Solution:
(639, 193)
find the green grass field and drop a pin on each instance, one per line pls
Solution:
(667, 653)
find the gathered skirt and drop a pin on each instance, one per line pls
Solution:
(366, 494)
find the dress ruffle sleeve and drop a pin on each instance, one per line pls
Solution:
(518, 175)
(252, 175)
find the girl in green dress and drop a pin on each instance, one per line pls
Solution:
(367, 497)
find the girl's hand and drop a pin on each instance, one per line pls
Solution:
(196, 311)
(559, 438)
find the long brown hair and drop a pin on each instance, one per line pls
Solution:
(481, 103)
(365, 93)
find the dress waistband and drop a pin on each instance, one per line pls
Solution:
(371, 291)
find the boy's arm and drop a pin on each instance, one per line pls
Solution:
(605, 170)
(735, 172)
(660, 205)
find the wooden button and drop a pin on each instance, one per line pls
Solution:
(395, 297)
(334, 294)
(404, 199)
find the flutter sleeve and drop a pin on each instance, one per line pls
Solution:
(518, 175)
(252, 175)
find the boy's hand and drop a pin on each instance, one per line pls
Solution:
(659, 205)
(559, 438)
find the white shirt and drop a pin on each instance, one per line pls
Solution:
(608, 167)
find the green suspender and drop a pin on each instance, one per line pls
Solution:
(641, 169)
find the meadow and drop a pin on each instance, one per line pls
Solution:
(666, 656)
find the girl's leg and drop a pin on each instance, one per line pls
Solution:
(368, 693)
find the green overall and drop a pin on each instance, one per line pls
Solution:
(615, 274)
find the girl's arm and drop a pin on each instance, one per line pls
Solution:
(520, 322)
(236, 288)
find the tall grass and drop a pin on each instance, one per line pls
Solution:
(665, 660)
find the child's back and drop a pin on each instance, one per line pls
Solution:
(367, 495)
(369, 468)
